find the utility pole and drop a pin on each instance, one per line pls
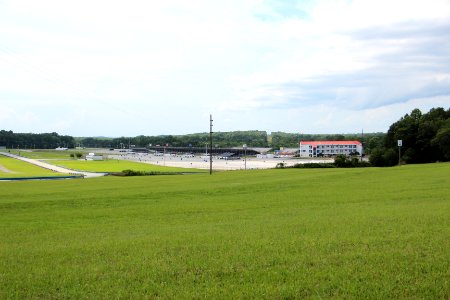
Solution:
(210, 144)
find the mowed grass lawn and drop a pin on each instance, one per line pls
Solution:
(14, 168)
(114, 165)
(45, 153)
(294, 233)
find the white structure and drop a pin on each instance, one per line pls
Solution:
(329, 148)
(92, 156)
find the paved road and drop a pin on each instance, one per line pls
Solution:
(53, 167)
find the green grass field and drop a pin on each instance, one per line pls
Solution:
(44, 154)
(114, 165)
(274, 234)
(13, 168)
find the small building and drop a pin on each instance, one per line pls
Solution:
(329, 148)
(93, 156)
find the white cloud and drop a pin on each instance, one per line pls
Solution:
(186, 59)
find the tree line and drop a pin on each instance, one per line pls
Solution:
(252, 138)
(425, 138)
(13, 140)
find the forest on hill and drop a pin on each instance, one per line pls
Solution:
(253, 138)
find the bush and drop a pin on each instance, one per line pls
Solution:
(143, 173)
(78, 155)
(380, 158)
(341, 161)
(376, 158)
(314, 166)
(390, 158)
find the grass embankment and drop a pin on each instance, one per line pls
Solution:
(114, 165)
(293, 233)
(14, 168)
(45, 154)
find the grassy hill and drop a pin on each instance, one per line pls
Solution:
(114, 165)
(291, 233)
(14, 168)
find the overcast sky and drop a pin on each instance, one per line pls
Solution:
(152, 67)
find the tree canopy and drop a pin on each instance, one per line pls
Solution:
(425, 138)
(10, 139)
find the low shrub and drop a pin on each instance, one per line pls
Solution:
(314, 166)
(280, 165)
(143, 173)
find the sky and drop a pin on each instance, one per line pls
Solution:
(146, 67)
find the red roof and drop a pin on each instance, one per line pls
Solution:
(316, 143)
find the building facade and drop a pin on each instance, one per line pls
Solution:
(329, 148)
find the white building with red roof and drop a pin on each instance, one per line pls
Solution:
(329, 148)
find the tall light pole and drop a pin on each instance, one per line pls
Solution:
(164, 156)
(245, 156)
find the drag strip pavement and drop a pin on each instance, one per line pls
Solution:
(53, 167)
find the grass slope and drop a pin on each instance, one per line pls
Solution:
(44, 154)
(345, 233)
(113, 165)
(18, 168)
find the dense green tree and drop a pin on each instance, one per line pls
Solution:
(442, 140)
(424, 137)
(341, 161)
(376, 158)
(10, 139)
(390, 157)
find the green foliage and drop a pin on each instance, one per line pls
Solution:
(376, 158)
(35, 141)
(442, 139)
(380, 158)
(252, 138)
(274, 234)
(280, 165)
(78, 155)
(314, 166)
(343, 161)
(144, 173)
(423, 136)
(390, 158)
